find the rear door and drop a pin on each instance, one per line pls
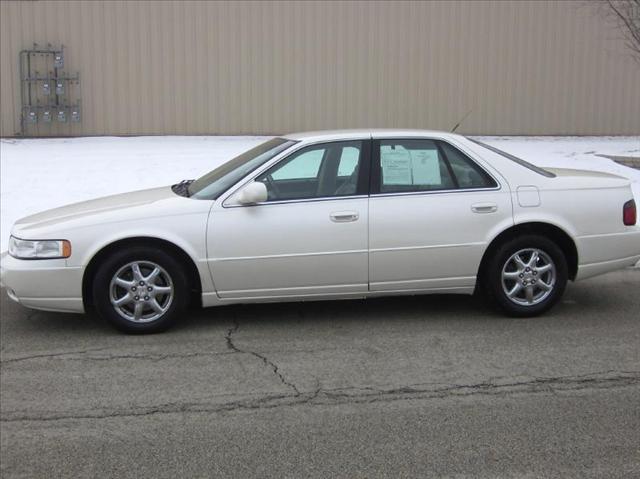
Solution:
(431, 213)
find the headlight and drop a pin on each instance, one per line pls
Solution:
(39, 249)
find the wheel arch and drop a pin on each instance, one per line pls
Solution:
(172, 248)
(559, 236)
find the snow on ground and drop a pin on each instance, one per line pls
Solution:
(572, 152)
(39, 174)
(579, 152)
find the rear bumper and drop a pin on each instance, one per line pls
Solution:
(49, 285)
(604, 253)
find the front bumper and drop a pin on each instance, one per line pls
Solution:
(47, 284)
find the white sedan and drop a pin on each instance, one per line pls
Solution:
(329, 215)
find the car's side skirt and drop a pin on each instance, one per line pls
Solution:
(211, 299)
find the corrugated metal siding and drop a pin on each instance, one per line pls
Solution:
(184, 67)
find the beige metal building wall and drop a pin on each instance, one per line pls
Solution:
(181, 67)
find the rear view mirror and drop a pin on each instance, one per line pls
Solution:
(252, 193)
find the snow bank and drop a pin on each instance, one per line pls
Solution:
(581, 152)
(39, 174)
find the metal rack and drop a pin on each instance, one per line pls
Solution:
(49, 96)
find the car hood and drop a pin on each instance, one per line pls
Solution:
(90, 208)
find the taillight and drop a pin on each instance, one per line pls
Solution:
(629, 213)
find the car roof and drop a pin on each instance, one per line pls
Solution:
(332, 135)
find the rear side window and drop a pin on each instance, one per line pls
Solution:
(415, 165)
(412, 165)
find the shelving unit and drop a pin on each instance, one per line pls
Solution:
(51, 98)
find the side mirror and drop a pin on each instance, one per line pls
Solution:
(252, 193)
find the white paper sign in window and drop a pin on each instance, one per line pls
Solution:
(410, 167)
(425, 167)
(396, 166)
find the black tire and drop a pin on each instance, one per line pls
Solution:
(176, 302)
(492, 277)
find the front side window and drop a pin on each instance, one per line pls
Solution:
(304, 166)
(318, 171)
(216, 182)
(348, 161)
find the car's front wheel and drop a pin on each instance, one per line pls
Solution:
(140, 290)
(526, 276)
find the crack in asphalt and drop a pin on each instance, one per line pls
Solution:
(267, 362)
(601, 380)
(82, 355)
(328, 397)
(49, 355)
(78, 356)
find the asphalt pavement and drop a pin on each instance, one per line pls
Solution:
(432, 386)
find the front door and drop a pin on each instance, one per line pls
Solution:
(308, 239)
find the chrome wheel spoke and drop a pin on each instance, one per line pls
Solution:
(511, 275)
(152, 276)
(515, 290)
(137, 274)
(533, 260)
(126, 299)
(137, 312)
(518, 260)
(529, 294)
(123, 283)
(544, 286)
(162, 289)
(156, 306)
(544, 268)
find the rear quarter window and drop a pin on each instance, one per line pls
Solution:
(467, 172)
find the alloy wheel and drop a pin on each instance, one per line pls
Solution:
(528, 277)
(141, 291)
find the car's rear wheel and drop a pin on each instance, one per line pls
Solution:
(140, 290)
(526, 276)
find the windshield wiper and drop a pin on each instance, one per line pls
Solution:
(182, 188)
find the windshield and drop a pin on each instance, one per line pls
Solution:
(509, 156)
(216, 182)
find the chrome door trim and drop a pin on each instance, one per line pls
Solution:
(291, 255)
(434, 192)
(301, 200)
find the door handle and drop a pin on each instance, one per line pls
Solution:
(344, 216)
(484, 208)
